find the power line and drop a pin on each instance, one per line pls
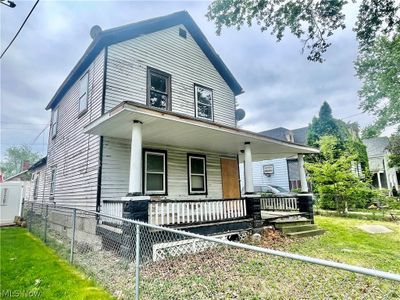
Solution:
(352, 116)
(19, 30)
(18, 123)
(35, 139)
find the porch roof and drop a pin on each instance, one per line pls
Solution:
(172, 129)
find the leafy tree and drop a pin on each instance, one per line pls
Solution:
(325, 124)
(346, 134)
(312, 21)
(371, 131)
(336, 185)
(14, 158)
(379, 70)
(394, 148)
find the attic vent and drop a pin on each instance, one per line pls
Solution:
(182, 33)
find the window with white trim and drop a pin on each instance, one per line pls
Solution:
(83, 93)
(204, 102)
(52, 182)
(54, 123)
(197, 174)
(36, 186)
(155, 172)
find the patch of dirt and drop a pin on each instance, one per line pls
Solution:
(272, 238)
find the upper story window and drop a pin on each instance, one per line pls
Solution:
(83, 93)
(52, 182)
(158, 89)
(203, 102)
(155, 172)
(54, 123)
(197, 174)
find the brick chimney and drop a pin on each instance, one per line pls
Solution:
(25, 165)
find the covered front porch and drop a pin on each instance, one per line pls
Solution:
(183, 171)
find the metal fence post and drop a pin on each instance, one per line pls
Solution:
(71, 255)
(137, 265)
(30, 218)
(45, 223)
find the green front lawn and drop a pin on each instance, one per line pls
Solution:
(29, 269)
(344, 242)
(27, 266)
(226, 273)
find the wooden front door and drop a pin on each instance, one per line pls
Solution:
(230, 178)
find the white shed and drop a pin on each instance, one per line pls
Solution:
(12, 195)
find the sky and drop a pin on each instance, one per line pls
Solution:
(282, 88)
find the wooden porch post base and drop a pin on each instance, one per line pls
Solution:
(306, 205)
(253, 206)
(135, 210)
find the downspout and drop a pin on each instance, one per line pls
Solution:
(101, 142)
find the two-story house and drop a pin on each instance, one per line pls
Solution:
(383, 176)
(146, 118)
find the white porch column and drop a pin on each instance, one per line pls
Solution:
(379, 180)
(135, 171)
(302, 171)
(395, 182)
(248, 169)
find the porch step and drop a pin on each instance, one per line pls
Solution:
(278, 224)
(307, 233)
(298, 228)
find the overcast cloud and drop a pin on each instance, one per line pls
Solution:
(281, 87)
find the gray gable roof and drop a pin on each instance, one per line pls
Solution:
(41, 162)
(280, 133)
(300, 135)
(130, 31)
(376, 146)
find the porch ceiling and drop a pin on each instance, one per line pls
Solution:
(172, 129)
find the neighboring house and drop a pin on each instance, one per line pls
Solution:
(284, 172)
(383, 177)
(38, 171)
(145, 125)
(15, 190)
(11, 199)
(21, 176)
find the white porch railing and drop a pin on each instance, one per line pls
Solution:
(279, 203)
(199, 211)
(112, 208)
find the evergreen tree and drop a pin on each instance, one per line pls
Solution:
(324, 125)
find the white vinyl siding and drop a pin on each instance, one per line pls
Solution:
(115, 172)
(280, 177)
(181, 58)
(75, 153)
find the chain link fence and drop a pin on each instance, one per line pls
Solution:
(136, 260)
